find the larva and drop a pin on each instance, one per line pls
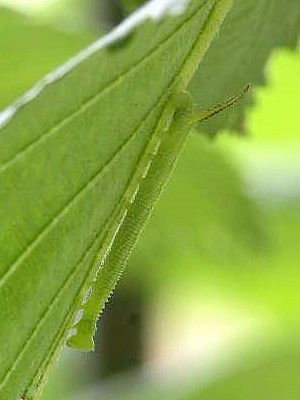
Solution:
(160, 160)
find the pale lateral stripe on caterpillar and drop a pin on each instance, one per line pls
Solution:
(159, 165)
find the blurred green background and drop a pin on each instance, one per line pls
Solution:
(210, 305)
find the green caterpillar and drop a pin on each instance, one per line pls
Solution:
(153, 172)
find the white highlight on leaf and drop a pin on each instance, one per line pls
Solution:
(87, 295)
(147, 169)
(78, 316)
(72, 332)
(157, 147)
(158, 9)
(154, 9)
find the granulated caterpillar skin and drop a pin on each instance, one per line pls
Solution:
(151, 176)
(158, 162)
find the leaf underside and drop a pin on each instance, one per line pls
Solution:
(251, 32)
(66, 161)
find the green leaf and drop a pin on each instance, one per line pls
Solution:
(131, 5)
(73, 154)
(273, 376)
(248, 37)
(31, 53)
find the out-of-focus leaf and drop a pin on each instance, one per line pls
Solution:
(28, 51)
(131, 5)
(277, 377)
(276, 119)
(269, 374)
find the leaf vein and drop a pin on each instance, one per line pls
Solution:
(55, 298)
(89, 102)
(65, 209)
